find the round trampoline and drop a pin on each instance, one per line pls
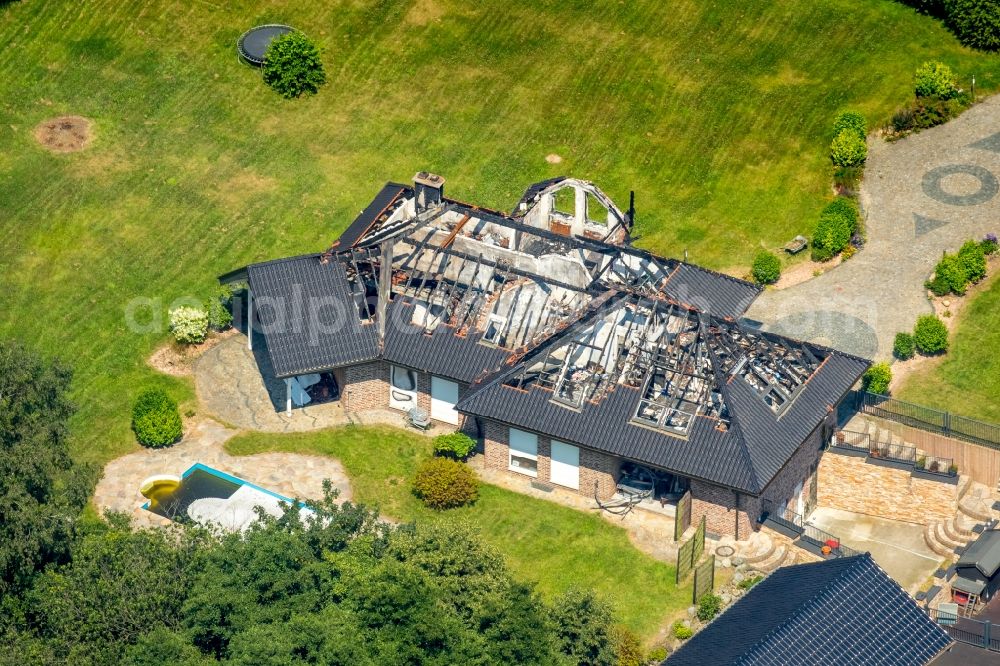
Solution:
(252, 45)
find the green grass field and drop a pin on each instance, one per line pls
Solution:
(715, 114)
(967, 380)
(554, 546)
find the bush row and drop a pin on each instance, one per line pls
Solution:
(937, 99)
(976, 23)
(955, 272)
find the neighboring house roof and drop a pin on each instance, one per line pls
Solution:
(843, 611)
(306, 312)
(983, 553)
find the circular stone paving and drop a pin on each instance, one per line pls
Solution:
(938, 181)
(830, 328)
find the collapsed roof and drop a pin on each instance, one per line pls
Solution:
(559, 324)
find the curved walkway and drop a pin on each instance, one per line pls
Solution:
(288, 474)
(923, 195)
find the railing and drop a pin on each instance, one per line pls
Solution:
(862, 442)
(819, 538)
(967, 630)
(927, 418)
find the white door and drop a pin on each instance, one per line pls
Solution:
(799, 503)
(565, 469)
(402, 389)
(444, 396)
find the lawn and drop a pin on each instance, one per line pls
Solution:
(967, 380)
(716, 114)
(554, 546)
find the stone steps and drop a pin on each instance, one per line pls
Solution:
(976, 502)
(761, 553)
(776, 559)
(930, 538)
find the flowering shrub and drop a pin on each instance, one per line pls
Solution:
(443, 483)
(934, 79)
(989, 244)
(189, 325)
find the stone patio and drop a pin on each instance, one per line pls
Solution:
(289, 474)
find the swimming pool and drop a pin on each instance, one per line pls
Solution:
(208, 496)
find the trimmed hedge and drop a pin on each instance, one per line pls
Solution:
(976, 23)
(292, 66)
(443, 483)
(455, 445)
(903, 346)
(156, 421)
(766, 267)
(930, 335)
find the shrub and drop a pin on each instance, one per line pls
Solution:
(989, 244)
(930, 335)
(877, 379)
(973, 261)
(709, 606)
(848, 149)
(189, 325)
(766, 267)
(903, 346)
(850, 120)
(976, 23)
(155, 419)
(848, 252)
(845, 207)
(949, 277)
(834, 229)
(657, 655)
(444, 484)
(628, 649)
(456, 445)
(934, 79)
(681, 632)
(292, 66)
(749, 582)
(218, 309)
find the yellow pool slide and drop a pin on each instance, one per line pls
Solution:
(158, 486)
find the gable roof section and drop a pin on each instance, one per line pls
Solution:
(370, 215)
(983, 553)
(843, 611)
(308, 315)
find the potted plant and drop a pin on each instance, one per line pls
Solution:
(921, 462)
(953, 469)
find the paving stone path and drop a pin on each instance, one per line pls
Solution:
(922, 195)
(289, 474)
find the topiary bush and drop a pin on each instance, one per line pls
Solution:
(766, 267)
(292, 66)
(681, 632)
(903, 346)
(455, 445)
(976, 23)
(877, 379)
(851, 120)
(848, 149)
(709, 606)
(973, 261)
(155, 419)
(934, 79)
(189, 325)
(930, 335)
(443, 483)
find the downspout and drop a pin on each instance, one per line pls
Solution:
(737, 531)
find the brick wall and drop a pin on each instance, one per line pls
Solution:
(366, 386)
(718, 505)
(853, 484)
(799, 469)
(595, 467)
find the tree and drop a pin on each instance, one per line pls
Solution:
(766, 268)
(583, 628)
(976, 23)
(41, 490)
(292, 66)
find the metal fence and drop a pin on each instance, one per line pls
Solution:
(918, 416)
(795, 522)
(968, 630)
(862, 442)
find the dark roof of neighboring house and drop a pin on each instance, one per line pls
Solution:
(305, 309)
(356, 230)
(983, 553)
(745, 456)
(844, 611)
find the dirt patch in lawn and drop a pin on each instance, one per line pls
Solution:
(178, 360)
(65, 134)
(804, 271)
(552, 158)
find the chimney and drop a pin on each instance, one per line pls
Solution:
(429, 188)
